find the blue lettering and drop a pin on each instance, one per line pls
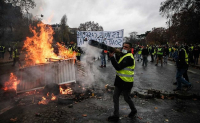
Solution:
(107, 35)
(113, 35)
(117, 35)
(80, 41)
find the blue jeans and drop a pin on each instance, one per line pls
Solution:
(144, 60)
(103, 59)
(180, 79)
(139, 56)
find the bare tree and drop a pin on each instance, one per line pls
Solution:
(64, 30)
(90, 26)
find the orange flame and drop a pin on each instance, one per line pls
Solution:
(65, 91)
(64, 52)
(48, 94)
(12, 83)
(39, 47)
(44, 101)
(53, 97)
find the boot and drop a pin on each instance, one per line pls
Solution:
(113, 118)
(132, 114)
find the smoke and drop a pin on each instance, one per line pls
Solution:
(95, 76)
(40, 5)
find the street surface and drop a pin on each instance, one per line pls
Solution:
(97, 109)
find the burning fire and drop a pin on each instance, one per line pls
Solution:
(12, 83)
(53, 97)
(39, 47)
(48, 94)
(65, 91)
(43, 101)
(64, 52)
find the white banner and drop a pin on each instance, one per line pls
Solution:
(110, 38)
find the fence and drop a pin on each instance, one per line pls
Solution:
(36, 77)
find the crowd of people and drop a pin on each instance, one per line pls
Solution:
(124, 64)
(163, 52)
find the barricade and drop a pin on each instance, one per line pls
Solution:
(36, 77)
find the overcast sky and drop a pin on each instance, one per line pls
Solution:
(112, 15)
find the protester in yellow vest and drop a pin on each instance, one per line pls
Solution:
(182, 67)
(16, 57)
(124, 65)
(159, 55)
(139, 53)
(2, 51)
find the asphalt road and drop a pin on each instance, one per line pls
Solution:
(98, 109)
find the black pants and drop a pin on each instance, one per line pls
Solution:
(196, 60)
(152, 58)
(186, 76)
(127, 98)
(78, 58)
(16, 60)
(10, 55)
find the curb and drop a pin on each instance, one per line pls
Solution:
(152, 93)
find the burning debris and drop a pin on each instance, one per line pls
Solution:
(65, 91)
(53, 97)
(44, 101)
(11, 83)
(39, 47)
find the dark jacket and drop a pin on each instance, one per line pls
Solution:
(166, 51)
(145, 51)
(196, 52)
(180, 62)
(127, 61)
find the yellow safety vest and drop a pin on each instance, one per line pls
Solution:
(170, 49)
(15, 53)
(159, 52)
(127, 73)
(186, 56)
(140, 51)
(78, 53)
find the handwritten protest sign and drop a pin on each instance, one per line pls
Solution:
(110, 38)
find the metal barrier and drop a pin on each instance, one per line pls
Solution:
(36, 77)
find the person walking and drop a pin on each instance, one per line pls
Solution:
(166, 54)
(196, 54)
(124, 65)
(139, 53)
(182, 66)
(145, 54)
(2, 51)
(152, 53)
(10, 50)
(78, 53)
(16, 54)
(159, 55)
(103, 58)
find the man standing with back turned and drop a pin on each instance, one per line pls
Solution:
(124, 65)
